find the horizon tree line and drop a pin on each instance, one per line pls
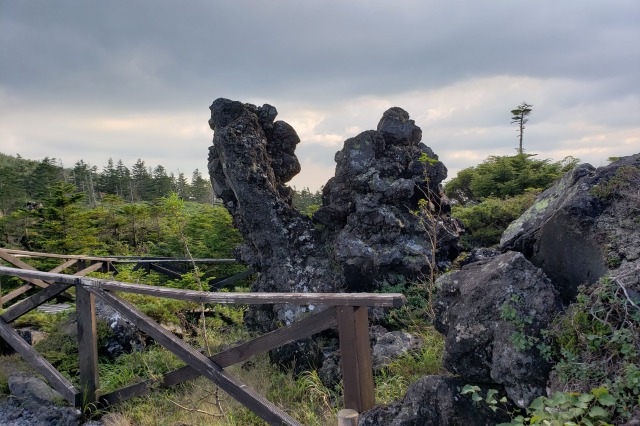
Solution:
(25, 181)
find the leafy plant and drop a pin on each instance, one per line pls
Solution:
(484, 222)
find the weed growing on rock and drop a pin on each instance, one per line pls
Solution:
(596, 347)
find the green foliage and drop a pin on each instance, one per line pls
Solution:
(127, 369)
(489, 196)
(485, 222)
(490, 399)
(393, 380)
(307, 202)
(598, 344)
(561, 409)
(510, 312)
(624, 183)
(23, 181)
(505, 176)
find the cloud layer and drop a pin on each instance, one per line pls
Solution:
(92, 80)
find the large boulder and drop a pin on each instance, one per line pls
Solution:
(583, 226)
(250, 161)
(382, 179)
(491, 313)
(434, 401)
(364, 236)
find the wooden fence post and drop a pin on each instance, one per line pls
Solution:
(347, 417)
(357, 372)
(87, 346)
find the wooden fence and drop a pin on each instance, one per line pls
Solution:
(347, 311)
(86, 264)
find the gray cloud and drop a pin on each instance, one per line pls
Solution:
(576, 61)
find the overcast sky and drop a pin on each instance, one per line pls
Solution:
(134, 79)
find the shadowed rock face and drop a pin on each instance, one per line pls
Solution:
(251, 160)
(363, 236)
(437, 401)
(368, 211)
(480, 307)
(576, 236)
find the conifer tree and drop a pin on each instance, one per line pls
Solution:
(124, 180)
(519, 117)
(140, 182)
(201, 190)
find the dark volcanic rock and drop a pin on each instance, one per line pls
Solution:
(251, 159)
(365, 234)
(390, 345)
(434, 401)
(368, 211)
(480, 307)
(33, 392)
(576, 236)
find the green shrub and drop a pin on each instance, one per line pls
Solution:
(485, 222)
(596, 347)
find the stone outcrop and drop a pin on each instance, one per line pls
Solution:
(364, 235)
(576, 233)
(250, 161)
(368, 210)
(434, 401)
(33, 402)
(491, 313)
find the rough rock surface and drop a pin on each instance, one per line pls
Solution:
(368, 216)
(390, 345)
(480, 307)
(32, 390)
(124, 336)
(33, 403)
(386, 346)
(433, 401)
(576, 236)
(6, 349)
(15, 415)
(250, 161)
(364, 235)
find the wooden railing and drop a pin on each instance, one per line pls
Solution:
(83, 265)
(347, 311)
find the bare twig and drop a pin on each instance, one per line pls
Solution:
(195, 410)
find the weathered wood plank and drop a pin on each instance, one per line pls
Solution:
(91, 268)
(87, 345)
(37, 361)
(15, 293)
(216, 284)
(32, 302)
(298, 330)
(173, 260)
(64, 266)
(357, 372)
(24, 273)
(165, 271)
(327, 299)
(391, 300)
(28, 275)
(249, 398)
(55, 255)
(22, 265)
